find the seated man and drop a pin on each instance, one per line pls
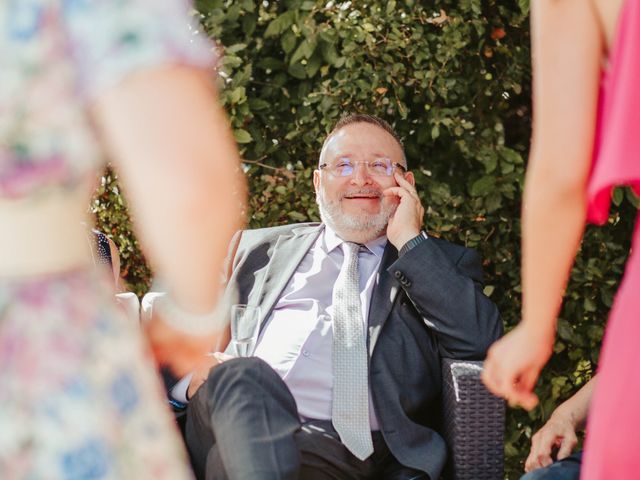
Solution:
(560, 431)
(356, 315)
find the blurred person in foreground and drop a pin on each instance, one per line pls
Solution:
(82, 79)
(586, 65)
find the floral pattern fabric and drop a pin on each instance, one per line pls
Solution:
(56, 56)
(79, 396)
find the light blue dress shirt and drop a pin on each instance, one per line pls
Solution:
(297, 338)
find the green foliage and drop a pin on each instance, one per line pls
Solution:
(453, 78)
(114, 220)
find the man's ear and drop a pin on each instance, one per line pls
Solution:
(316, 180)
(410, 178)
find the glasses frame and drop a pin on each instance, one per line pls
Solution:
(394, 165)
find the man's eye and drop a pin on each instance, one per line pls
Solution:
(343, 164)
(379, 164)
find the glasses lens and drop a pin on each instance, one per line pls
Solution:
(381, 167)
(342, 168)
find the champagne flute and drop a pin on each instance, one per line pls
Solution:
(244, 328)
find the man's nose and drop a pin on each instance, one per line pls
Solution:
(360, 175)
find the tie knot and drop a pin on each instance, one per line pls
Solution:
(351, 249)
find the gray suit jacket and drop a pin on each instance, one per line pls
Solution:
(426, 305)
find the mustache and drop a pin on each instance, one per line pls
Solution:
(368, 192)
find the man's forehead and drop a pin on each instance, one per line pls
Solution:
(361, 138)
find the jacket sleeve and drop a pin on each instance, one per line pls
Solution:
(444, 282)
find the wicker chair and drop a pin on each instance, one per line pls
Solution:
(473, 424)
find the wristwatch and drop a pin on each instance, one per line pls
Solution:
(414, 242)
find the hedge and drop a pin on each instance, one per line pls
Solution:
(453, 77)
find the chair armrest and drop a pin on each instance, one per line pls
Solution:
(473, 423)
(129, 302)
(146, 306)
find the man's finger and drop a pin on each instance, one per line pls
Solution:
(397, 191)
(406, 185)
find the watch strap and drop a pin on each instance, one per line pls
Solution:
(414, 242)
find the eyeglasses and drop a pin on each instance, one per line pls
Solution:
(375, 168)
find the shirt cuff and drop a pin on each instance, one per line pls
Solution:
(179, 390)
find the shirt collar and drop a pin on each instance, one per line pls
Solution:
(331, 241)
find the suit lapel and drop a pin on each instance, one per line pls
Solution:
(288, 252)
(383, 296)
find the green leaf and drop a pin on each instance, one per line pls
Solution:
(391, 7)
(313, 65)
(511, 156)
(270, 63)
(329, 52)
(258, 104)
(524, 6)
(304, 50)
(493, 202)
(618, 196)
(249, 24)
(280, 24)
(490, 163)
(248, 5)
(242, 136)
(483, 186)
(632, 198)
(233, 49)
(329, 35)
(435, 132)
(297, 217)
(589, 306)
(238, 95)
(288, 42)
(298, 71)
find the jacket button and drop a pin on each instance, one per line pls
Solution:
(398, 274)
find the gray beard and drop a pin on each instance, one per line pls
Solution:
(355, 228)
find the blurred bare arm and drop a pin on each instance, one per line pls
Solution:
(567, 61)
(178, 161)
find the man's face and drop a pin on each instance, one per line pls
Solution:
(353, 206)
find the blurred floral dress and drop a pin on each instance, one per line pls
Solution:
(79, 396)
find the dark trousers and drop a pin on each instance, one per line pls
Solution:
(243, 424)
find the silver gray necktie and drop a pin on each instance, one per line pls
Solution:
(350, 411)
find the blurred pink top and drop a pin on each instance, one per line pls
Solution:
(617, 149)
